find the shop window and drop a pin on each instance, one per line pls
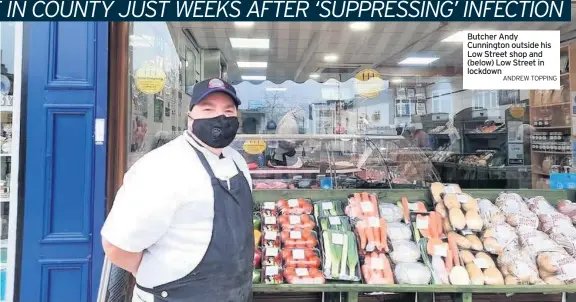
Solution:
(453, 134)
(10, 81)
(162, 66)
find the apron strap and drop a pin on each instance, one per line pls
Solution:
(206, 165)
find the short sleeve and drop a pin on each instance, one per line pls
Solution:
(141, 213)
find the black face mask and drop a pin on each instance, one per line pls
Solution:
(216, 132)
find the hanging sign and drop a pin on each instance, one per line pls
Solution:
(254, 146)
(517, 111)
(150, 79)
(369, 83)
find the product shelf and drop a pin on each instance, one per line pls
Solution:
(351, 291)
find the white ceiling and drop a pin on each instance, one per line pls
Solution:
(297, 48)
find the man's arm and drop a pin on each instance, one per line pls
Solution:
(126, 260)
(141, 214)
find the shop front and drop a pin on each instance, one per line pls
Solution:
(329, 111)
(333, 109)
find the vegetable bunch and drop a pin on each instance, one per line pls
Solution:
(341, 256)
(377, 269)
(371, 229)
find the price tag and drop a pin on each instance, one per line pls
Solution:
(269, 205)
(292, 203)
(294, 219)
(334, 220)
(449, 189)
(301, 272)
(374, 222)
(270, 220)
(441, 250)
(481, 263)
(366, 207)
(377, 263)
(462, 198)
(327, 206)
(337, 239)
(295, 235)
(270, 235)
(271, 252)
(271, 270)
(422, 223)
(413, 207)
(298, 254)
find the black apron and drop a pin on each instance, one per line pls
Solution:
(225, 272)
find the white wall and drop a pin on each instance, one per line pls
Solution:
(451, 98)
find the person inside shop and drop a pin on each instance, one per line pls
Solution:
(420, 137)
(182, 221)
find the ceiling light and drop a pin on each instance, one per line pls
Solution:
(252, 64)
(276, 89)
(314, 75)
(331, 58)
(250, 43)
(455, 37)
(360, 26)
(417, 61)
(397, 81)
(254, 78)
(245, 24)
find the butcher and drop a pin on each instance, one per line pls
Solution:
(182, 221)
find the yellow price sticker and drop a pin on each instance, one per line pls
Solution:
(254, 146)
(150, 79)
(517, 111)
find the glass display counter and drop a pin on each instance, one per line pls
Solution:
(334, 161)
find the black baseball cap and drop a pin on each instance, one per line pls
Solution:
(203, 89)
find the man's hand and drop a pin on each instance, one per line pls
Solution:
(126, 260)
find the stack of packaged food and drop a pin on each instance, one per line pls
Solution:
(271, 258)
(300, 256)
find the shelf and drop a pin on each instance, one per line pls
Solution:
(553, 128)
(4, 199)
(5, 108)
(551, 105)
(301, 171)
(398, 288)
(553, 152)
(5, 154)
(564, 74)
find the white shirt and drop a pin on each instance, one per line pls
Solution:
(165, 208)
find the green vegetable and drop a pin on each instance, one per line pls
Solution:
(344, 255)
(423, 250)
(346, 224)
(324, 223)
(352, 254)
(316, 212)
(327, 250)
(416, 233)
(336, 250)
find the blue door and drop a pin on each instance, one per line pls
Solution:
(64, 202)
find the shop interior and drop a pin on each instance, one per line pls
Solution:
(357, 105)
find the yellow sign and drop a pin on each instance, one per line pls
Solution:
(369, 83)
(150, 79)
(517, 111)
(255, 146)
